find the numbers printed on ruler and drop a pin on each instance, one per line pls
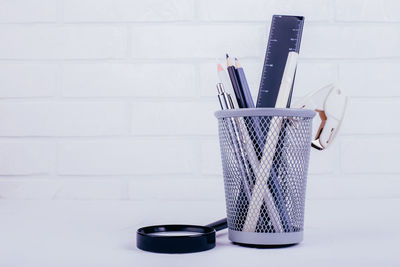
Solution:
(285, 36)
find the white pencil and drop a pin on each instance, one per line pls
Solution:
(267, 159)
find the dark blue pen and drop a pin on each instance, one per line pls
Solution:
(244, 87)
(235, 83)
(247, 102)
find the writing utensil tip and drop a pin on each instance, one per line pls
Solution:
(237, 64)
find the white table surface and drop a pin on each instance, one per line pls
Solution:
(102, 233)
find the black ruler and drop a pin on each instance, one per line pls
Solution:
(284, 36)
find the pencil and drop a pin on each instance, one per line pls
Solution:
(235, 82)
(244, 87)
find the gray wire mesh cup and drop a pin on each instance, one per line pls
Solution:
(265, 154)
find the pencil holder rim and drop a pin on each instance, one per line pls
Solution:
(255, 112)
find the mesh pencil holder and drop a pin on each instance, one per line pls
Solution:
(265, 154)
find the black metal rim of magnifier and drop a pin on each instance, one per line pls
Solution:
(202, 239)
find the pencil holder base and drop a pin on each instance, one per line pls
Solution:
(265, 238)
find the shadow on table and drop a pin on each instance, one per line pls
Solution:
(265, 246)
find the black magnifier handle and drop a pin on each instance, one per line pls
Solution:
(219, 225)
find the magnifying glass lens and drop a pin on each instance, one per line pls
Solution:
(174, 233)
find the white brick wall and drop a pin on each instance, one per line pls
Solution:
(62, 118)
(39, 80)
(114, 99)
(50, 41)
(127, 10)
(28, 11)
(126, 157)
(128, 79)
(196, 41)
(26, 157)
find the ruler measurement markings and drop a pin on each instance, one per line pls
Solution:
(285, 35)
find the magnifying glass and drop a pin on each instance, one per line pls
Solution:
(178, 238)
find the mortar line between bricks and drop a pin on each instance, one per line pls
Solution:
(200, 22)
(27, 175)
(345, 59)
(59, 12)
(332, 7)
(184, 23)
(148, 99)
(107, 99)
(177, 176)
(110, 177)
(76, 178)
(57, 156)
(129, 116)
(155, 201)
(199, 199)
(393, 176)
(190, 60)
(339, 160)
(195, 12)
(184, 175)
(8, 178)
(165, 137)
(371, 135)
(110, 23)
(171, 60)
(337, 74)
(352, 198)
(136, 177)
(53, 168)
(122, 138)
(196, 81)
(388, 99)
(58, 86)
(129, 40)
